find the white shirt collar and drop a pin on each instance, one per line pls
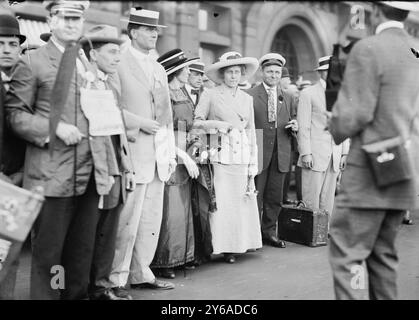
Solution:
(323, 84)
(188, 87)
(59, 46)
(101, 75)
(138, 54)
(267, 88)
(389, 24)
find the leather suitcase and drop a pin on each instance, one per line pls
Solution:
(302, 225)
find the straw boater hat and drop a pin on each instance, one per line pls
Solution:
(9, 26)
(272, 59)
(102, 33)
(230, 59)
(197, 67)
(144, 17)
(323, 63)
(174, 60)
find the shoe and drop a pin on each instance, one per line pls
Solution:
(121, 293)
(229, 258)
(107, 294)
(190, 266)
(274, 242)
(167, 273)
(409, 222)
(156, 284)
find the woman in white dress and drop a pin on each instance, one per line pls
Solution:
(235, 225)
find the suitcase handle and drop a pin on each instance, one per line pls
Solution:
(301, 204)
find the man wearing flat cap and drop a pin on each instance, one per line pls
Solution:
(144, 92)
(101, 44)
(378, 101)
(69, 163)
(273, 115)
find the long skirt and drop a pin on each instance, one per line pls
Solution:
(176, 241)
(235, 226)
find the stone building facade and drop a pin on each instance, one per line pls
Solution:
(301, 31)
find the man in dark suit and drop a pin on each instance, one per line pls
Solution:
(377, 101)
(195, 85)
(104, 54)
(78, 170)
(12, 149)
(272, 107)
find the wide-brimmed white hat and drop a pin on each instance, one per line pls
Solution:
(230, 59)
(402, 5)
(323, 63)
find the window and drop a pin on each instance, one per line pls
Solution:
(283, 45)
(209, 54)
(202, 20)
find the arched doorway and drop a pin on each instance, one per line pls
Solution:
(292, 42)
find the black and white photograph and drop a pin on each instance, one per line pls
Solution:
(231, 152)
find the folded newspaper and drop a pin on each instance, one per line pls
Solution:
(18, 211)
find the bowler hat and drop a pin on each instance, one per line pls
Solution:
(45, 36)
(285, 73)
(174, 60)
(9, 26)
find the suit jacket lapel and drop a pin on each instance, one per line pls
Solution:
(189, 97)
(263, 95)
(321, 94)
(284, 102)
(54, 54)
(136, 70)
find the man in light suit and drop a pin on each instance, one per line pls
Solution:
(378, 100)
(145, 99)
(320, 158)
(273, 116)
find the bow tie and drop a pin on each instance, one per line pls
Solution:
(195, 91)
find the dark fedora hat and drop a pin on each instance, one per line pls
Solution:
(174, 60)
(9, 26)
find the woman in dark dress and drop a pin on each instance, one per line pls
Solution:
(176, 242)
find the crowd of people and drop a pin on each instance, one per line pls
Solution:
(150, 166)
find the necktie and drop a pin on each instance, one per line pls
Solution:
(271, 105)
(61, 88)
(195, 95)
